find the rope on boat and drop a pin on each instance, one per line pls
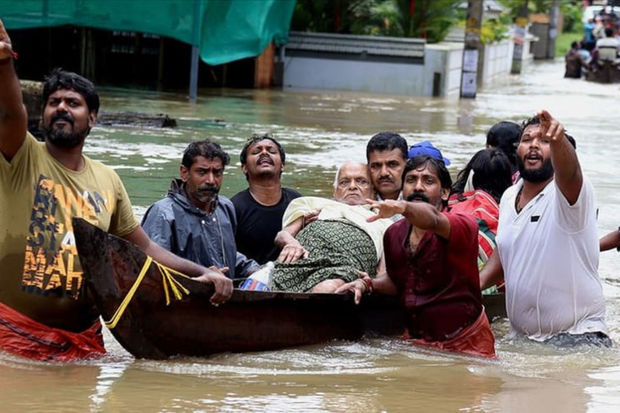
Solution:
(169, 284)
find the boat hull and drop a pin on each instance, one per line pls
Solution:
(249, 321)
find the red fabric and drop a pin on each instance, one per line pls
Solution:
(475, 340)
(25, 337)
(485, 209)
(438, 284)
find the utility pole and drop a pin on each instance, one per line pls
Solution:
(518, 39)
(553, 29)
(193, 65)
(469, 71)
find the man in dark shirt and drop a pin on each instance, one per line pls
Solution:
(260, 208)
(430, 258)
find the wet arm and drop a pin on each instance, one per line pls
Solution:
(611, 240)
(13, 117)
(223, 285)
(420, 214)
(567, 171)
(492, 272)
(292, 250)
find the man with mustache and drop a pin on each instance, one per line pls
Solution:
(44, 311)
(386, 153)
(193, 221)
(260, 208)
(547, 243)
(431, 262)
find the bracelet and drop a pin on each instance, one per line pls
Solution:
(369, 286)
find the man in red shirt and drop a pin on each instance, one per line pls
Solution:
(431, 264)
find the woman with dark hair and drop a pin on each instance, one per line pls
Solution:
(506, 136)
(477, 191)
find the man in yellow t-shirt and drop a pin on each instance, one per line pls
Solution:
(44, 313)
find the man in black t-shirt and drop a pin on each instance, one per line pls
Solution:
(260, 208)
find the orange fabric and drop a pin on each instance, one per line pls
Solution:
(22, 336)
(475, 340)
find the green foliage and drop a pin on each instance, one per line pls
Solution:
(571, 9)
(573, 13)
(431, 19)
(493, 30)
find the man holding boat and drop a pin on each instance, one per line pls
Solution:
(547, 243)
(193, 220)
(431, 262)
(44, 311)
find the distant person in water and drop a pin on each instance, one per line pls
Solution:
(547, 243)
(193, 221)
(323, 255)
(260, 207)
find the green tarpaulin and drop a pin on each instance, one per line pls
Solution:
(224, 30)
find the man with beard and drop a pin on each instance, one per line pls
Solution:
(430, 257)
(547, 244)
(259, 208)
(193, 221)
(44, 311)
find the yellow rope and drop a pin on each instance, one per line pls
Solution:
(168, 281)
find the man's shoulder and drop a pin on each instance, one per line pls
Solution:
(240, 196)
(225, 204)
(461, 218)
(290, 193)
(100, 168)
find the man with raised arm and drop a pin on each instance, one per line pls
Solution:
(44, 312)
(547, 243)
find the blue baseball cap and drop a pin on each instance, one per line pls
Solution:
(427, 148)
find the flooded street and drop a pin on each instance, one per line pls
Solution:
(319, 131)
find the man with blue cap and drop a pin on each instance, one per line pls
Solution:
(427, 148)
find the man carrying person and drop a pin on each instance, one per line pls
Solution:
(386, 153)
(331, 250)
(430, 257)
(44, 312)
(547, 243)
(193, 221)
(259, 208)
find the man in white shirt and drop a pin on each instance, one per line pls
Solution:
(547, 243)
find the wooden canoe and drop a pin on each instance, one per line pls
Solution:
(249, 321)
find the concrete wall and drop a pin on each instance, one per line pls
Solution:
(439, 75)
(354, 75)
(496, 61)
